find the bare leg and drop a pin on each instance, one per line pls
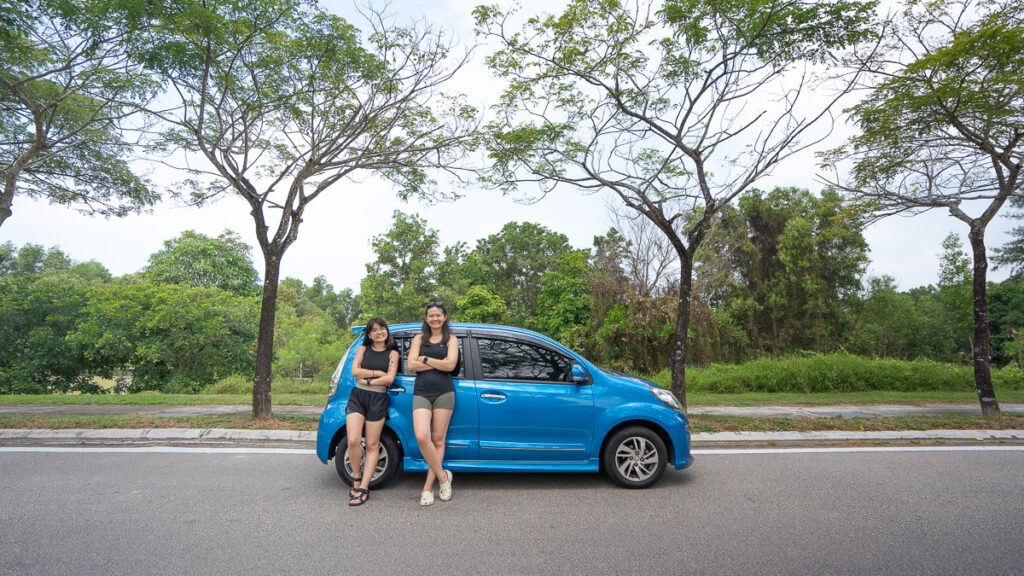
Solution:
(424, 439)
(437, 438)
(354, 433)
(373, 430)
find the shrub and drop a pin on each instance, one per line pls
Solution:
(838, 373)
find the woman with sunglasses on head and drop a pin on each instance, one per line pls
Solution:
(434, 355)
(374, 368)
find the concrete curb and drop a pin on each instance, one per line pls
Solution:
(167, 434)
(218, 434)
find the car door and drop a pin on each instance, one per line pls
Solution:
(529, 407)
(461, 443)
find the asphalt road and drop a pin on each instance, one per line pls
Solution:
(804, 513)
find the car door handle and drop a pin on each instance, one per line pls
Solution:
(492, 396)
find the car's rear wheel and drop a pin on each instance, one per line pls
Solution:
(387, 465)
(635, 457)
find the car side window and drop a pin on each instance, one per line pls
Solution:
(515, 360)
(404, 342)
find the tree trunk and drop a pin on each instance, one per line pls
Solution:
(682, 328)
(6, 199)
(261, 403)
(982, 361)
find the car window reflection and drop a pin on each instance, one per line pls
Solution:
(514, 360)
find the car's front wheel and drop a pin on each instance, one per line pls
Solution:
(387, 465)
(635, 457)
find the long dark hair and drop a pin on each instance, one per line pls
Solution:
(389, 344)
(446, 330)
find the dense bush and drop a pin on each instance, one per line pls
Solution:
(37, 312)
(839, 373)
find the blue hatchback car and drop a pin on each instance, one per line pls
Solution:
(523, 403)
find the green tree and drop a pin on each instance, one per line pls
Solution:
(941, 128)
(403, 277)
(513, 263)
(955, 291)
(1011, 254)
(68, 93)
(92, 272)
(196, 260)
(279, 102)
(784, 266)
(31, 259)
(37, 313)
(341, 306)
(893, 324)
(478, 304)
(1006, 305)
(171, 337)
(308, 346)
(664, 107)
(564, 305)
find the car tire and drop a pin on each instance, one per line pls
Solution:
(387, 465)
(634, 457)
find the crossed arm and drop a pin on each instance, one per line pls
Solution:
(374, 377)
(418, 363)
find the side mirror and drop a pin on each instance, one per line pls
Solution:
(579, 375)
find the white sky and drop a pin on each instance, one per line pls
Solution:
(334, 240)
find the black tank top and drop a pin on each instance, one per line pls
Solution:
(374, 360)
(432, 383)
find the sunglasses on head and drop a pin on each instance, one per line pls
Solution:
(438, 303)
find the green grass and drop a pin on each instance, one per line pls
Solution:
(123, 421)
(699, 423)
(159, 399)
(838, 373)
(833, 398)
(692, 398)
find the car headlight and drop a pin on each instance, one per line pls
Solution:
(667, 398)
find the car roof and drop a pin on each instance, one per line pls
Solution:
(471, 328)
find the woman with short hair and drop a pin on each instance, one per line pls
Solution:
(374, 368)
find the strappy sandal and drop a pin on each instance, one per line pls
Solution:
(362, 495)
(352, 491)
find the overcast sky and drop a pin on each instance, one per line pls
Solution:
(334, 240)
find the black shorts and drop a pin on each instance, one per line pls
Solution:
(372, 405)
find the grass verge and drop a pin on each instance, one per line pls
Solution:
(699, 423)
(693, 398)
(159, 399)
(708, 423)
(120, 421)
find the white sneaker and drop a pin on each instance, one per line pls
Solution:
(426, 498)
(445, 491)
